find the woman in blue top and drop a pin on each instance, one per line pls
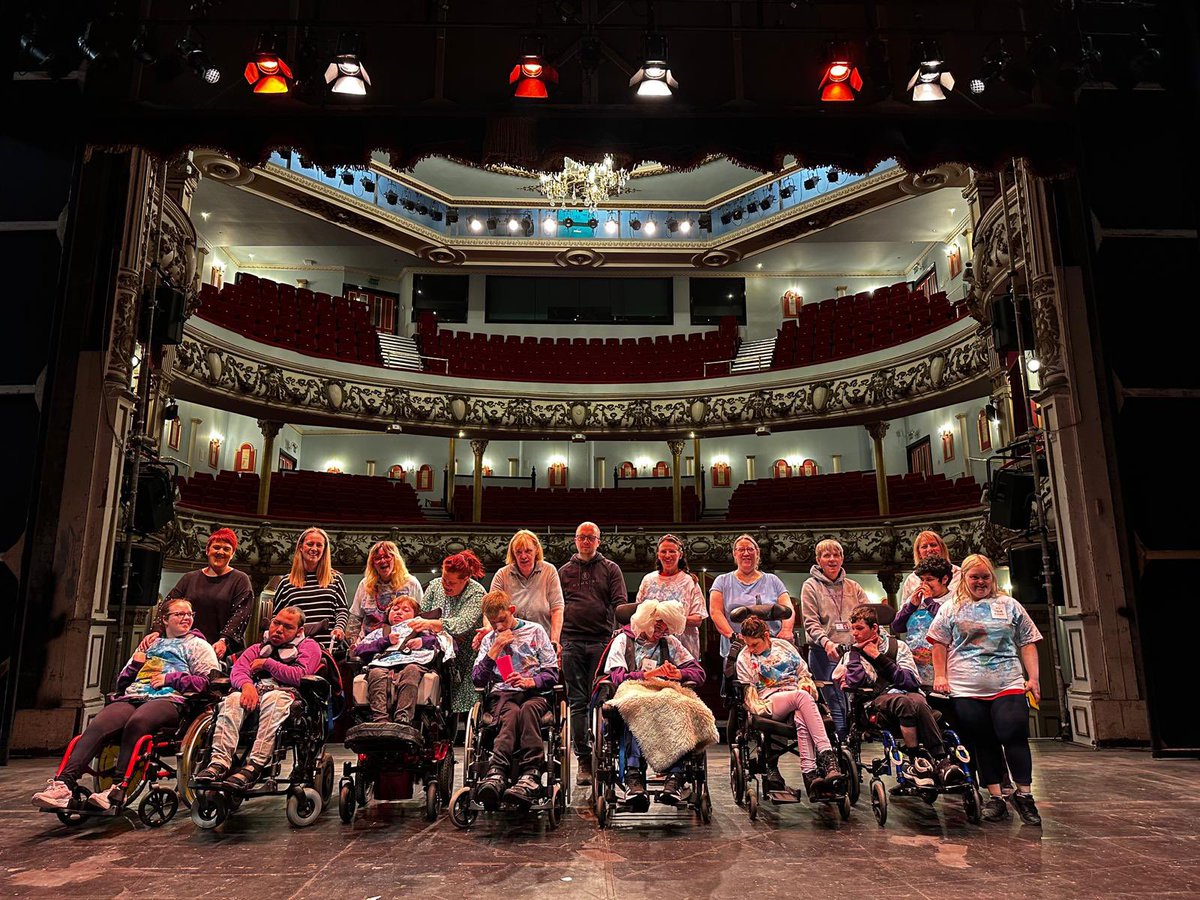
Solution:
(747, 586)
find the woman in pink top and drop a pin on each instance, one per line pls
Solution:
(673, 582)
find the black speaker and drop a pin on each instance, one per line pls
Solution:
(155, 500)
(1004, 323)
(1011, 499)
(145, 573)
(170, 311)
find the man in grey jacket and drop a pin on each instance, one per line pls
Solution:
(592, 587)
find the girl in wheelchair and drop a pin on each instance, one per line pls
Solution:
(778, 685)
(149, 698)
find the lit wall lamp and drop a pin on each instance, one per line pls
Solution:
(214, 450)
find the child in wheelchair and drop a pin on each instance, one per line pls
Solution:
(516, 664)
(397, 656)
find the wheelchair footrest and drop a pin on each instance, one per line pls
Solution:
(784, 796)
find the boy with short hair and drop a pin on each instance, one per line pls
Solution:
(398, 656)
(917, 613)
(531, 666)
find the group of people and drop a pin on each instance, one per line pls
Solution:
(954, 634)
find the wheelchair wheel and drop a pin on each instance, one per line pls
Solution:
(461, 813)
(879, 801)
(843, 806)
(971, 805)
(445, 777)
(191, 749)
(105, 762)
(70, 818)
(208, 810)
(346, 801)
(558, 806)
(433, 802)
(304, 806)
(602, 807)
(158, 807)
(564, 752)
(752, 799)
(704, 807)
(737, 784)
(325, 778)
(853, 776)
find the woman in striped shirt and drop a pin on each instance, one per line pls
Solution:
(313, 585)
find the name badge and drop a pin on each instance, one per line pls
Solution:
(999, 611)
(841, 626)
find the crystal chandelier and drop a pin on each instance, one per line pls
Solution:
(581, 185)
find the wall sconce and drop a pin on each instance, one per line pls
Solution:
(558, 460)
(333, 466)
(214, 450)
(642, 463)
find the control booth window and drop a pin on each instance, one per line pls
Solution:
(445, 295)
(579, 301)
(712, 299)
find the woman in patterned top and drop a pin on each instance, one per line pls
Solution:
(385, 577)
(985, 658)
(313, 585)
(673, 582)
(460, 598)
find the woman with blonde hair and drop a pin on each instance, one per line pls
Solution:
(384, 578)
(313, 585)
(919, 601)
(747, 586)
(532, 583)
(985, 658)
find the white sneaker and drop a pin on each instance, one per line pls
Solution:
(920, 772)
(56, 794)
(101, 799)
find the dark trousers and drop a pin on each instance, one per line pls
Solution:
(129, 720)
(912, 711)
(997, 730)
(392, 693)
(580, 659)
(518, 745)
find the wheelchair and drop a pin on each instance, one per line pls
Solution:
(386, 767)
(555, 794)
(866, 725)
(309, 784)
(754, 740)
(148, 769)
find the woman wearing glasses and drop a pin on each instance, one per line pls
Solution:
(151, 688)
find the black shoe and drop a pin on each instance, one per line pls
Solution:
(994, 809)
(636, 798)
(827, 764)
(1026, 808)
(245, 777)
(813, 783)
(773, 781)
(671, 792)
(948, 773)
(583, 771)
(214, 771)
(489, 791)
(525, 791)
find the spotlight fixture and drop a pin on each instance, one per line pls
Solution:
(514, 224)
(568, 223)
(654, 79)
(475, 224)
(451, 216)
(841, 81)
(435, 215)
(192, 51)
(91, 47)
(527, 225)
(329, 172)
(726, 218)
(611, 226)
(267, 70)
(409, 204)
(685, 227)
(635, 223)
(347, 178)
(368, 183)
(765, 202)
(810, 183)
(549, 224)
(38, 49)
(531, 76)
(492, 223)
(762, 431)
(395, 427)
(422, 209)
(346, 74)
(651, 227)
(672, 224)
(705, 221)
(752, 207)
(832, 176)
(593, 223)
(786, 190)
(170, 410)
(578, 438)
(930, 82)
(738, 213)
(995, 68)
(392, 198)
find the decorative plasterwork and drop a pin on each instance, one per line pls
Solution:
(250, 378)
(266, 547)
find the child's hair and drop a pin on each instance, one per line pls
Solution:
(495, 603)
(865, 614)
(405, 600)
(828, 544)
(754, 627)
(937, 567)
(648, 611)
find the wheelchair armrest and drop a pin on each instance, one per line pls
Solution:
(604, 691)
(315, 687)
(218, 685)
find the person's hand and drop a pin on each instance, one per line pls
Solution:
(942, 685)
(503, 639)
(1032, 686)
(416, 625)
(670, 670)
(516, 679)
(786, 634)
(831, 651)
(147, 642)
(811, 688)
(157, 681)
(393, 638)
(139, 657)
(250, 697)
(870, 649)
(480, 634)
(257, 664)
(414, 644)
(220, 648)
(338, 633)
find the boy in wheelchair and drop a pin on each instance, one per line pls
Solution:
(397, 657)
(266, 678)
(884, 666)
(516, 664)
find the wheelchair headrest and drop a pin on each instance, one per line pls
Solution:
(884, 613)
(624, 612)
(316, 627)
(768, 612)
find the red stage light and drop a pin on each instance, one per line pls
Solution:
(840, 82)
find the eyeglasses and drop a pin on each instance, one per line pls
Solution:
(181, 615)
(587, 537)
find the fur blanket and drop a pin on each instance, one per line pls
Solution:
(667, 719)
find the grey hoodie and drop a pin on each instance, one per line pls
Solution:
(826, 606)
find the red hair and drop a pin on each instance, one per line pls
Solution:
(223, 534)
(465, 564)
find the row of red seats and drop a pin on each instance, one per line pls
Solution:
(847, 495)
(850, 326)
(569, 507)
(305, 496)
(580, 359)
(298, 319)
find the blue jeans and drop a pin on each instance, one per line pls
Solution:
(822, 668)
